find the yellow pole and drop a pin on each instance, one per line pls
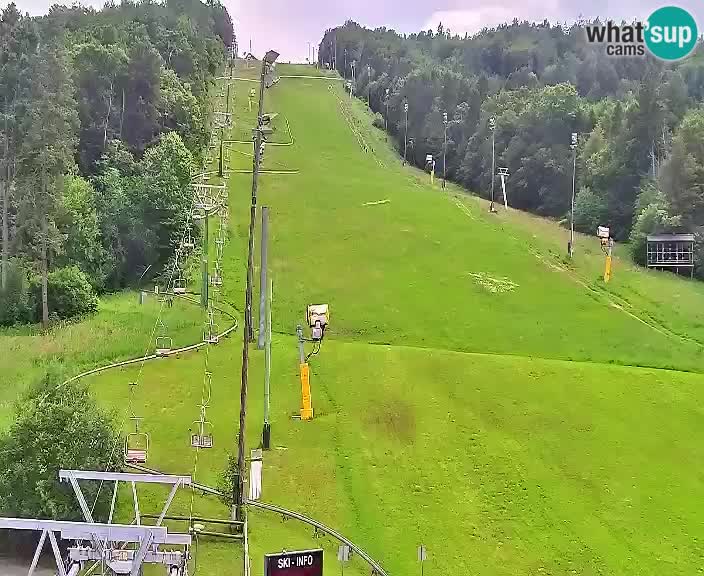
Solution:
(607, 268)
(307, 408)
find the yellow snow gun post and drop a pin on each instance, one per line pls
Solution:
(306, 402)
(607, 245)
(317, 316)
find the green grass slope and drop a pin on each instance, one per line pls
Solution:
(474, 392)
(419, 269)
(121, 329)
(505, 462)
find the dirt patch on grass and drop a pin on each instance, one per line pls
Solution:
(394, 419)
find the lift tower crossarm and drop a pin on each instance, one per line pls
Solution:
(65, 475)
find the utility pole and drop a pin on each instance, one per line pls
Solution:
(227, 102)
(266, 433)
(204, 261)
(444, 150)
(5, 190)
(220, 155)
(261, 339)
(369, 86)
(492, 127)
(573, 145)
(405, 134)
(238, 487)
(386, 118)
(344, 72)
(310, 60)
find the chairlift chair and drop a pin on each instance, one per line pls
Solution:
(163, 345)
(216, 279)
(136, 445)
(179, 285)
(188, 243)
(203, 438)
(211, 336)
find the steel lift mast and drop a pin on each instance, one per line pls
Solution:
(108, 542)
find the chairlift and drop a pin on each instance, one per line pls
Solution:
(179, 285)
(211, 336)
(204, 436)
(163, 346)
(188, 243)
(136, 445)
(216, 279)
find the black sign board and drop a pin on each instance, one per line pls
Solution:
(301, 563)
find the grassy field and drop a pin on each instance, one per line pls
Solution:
(121, 329)
(475, 392)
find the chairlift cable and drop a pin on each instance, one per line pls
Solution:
(132, 385)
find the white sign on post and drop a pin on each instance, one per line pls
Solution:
(255, 475)
(343, 553)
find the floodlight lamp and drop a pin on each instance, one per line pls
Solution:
(271, 56)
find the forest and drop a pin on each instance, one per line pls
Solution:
(639, 165)
(104, 116)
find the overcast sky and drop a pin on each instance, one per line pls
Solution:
(288, 25)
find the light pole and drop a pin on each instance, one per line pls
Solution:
(354, 66)
(444, 150)
(344, 71)
(238, 484)
(573, 145)
(492, 127)
(386, 118)
(369, 86)
(405, 135)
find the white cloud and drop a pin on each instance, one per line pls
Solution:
(472, 20)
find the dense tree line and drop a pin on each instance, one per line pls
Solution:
(103, 116)
(640, 122)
